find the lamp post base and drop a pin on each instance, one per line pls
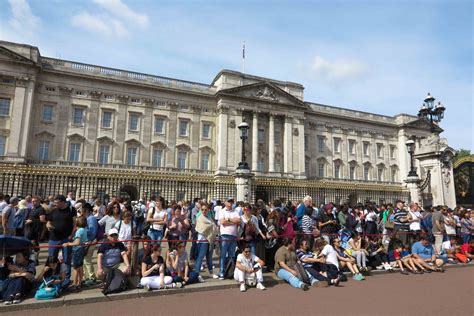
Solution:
(243, 182)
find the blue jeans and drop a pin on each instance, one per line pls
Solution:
(155, 235)
(67, 257)
(290, 278)
(228, 244)
(203, 250)
(466, 237)
(192, 278)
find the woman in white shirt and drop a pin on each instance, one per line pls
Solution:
(248, 269)
(157, 217)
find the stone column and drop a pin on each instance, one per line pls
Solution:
(255, 141)
(413, 184)
(301, 150)
(21, 116)
(403, 156)
(288, 146)
(243, 182)
(271, 144)
(222, 140)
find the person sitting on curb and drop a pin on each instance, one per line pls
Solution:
(248, 269)
(112, 255)
(285, 260)
(153, 270)
(308, 259)
(177, 263)
(424, 252)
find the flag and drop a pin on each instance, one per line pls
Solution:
(243, 51)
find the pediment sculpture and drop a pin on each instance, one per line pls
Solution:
(266, 93)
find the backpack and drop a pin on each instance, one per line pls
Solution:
(229, 268)
(47, 292)
(116, 282)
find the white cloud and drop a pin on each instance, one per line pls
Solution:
(119, 9)
(337, 70)
(111, 20)
(23, 25)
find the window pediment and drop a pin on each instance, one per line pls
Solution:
(105, 139)
(184, 147)
(45, 134)
(206, 149)
(133, 142)
(159, 144)
(76, 136)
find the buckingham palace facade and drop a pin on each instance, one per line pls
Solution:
(98, 131)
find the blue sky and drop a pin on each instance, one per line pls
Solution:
(375, 56)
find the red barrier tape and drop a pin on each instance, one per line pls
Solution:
(221, 239)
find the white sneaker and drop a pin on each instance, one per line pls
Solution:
(201, 280)
(242, 287)
(215, 276)
(261, 287)
(147, 288)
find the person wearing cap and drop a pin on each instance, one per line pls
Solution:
(8, 216)
(112, 255)
(229, 220)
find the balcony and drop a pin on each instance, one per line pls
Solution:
(112, 73)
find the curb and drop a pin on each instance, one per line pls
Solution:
(139, 293)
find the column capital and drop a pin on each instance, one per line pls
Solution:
(64, 90)
(21, 81)
(95, 94)
(222, 109)
(123, 98)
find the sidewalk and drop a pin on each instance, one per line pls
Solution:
(94, 295)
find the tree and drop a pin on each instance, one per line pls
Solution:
(460, 153)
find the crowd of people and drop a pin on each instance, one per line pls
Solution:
(148, 241)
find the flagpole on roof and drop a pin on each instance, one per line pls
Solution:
(243, 57)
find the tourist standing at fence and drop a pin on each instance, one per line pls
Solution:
(229, 221)
(92, 228)
(34, 224)
(8, 216)
(60, 223)
(401, 222)
(206, 233)
(438, 227)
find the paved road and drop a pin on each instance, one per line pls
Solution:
(450, 293)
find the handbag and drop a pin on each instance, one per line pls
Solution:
(48, 291)
(389, 225)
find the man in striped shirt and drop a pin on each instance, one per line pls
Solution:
(401, 222)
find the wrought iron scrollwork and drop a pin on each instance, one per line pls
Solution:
(426, 181)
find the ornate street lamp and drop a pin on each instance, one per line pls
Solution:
(411, 150)
(244, 135)
(431, 112)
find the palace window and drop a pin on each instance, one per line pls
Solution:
(106, 119)
(43, 150)
(337, 170)
(104, 152)
(205, 161)
(392, 151)
(47, 113)
(157, 157)
(380, 173)
(182, 156)
(132, 156)
(337, 145)
(261, 165)
(206, 130)
(3, 144)
(379, 150)
(4, 107)
(306, 142)
(277, 137)
(393, 175)
(261, 136)
(74, 151)
(321, 169)
(133, 123)
(321, 143)
(78, 116)
(366, 148)
(352, 172)
(183, 128)
(366, 173)
(159, 125)
(352, 147)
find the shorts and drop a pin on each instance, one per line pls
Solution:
(78, 257)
